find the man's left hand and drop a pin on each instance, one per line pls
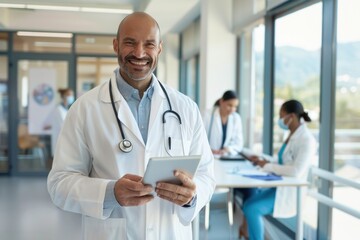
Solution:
(178, 194)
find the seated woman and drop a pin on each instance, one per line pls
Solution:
(224, 130)
(223, 125)
(294, 159)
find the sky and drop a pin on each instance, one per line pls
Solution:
(303, 28)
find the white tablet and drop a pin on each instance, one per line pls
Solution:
(161, 169)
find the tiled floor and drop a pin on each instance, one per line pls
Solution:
(26, 213)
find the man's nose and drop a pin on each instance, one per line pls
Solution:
(139, 51)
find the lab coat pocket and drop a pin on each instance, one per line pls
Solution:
(179, 147)
(111, 228)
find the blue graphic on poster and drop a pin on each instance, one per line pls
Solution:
(43, 94)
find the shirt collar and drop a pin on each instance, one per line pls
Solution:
(127, 91)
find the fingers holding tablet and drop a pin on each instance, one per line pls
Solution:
(178, 194)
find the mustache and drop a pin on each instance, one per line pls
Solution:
(128, 58)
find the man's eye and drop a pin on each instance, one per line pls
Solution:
(151, 45)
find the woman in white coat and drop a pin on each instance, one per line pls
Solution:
(56, 118)
(294, 159)
(95, 176)
(223, 125)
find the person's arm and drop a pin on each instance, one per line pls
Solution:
(302, 155)
(255, 158)
(69, 184)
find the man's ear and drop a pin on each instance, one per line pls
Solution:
(116, 45)
(160, 47)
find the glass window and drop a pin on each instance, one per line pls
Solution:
(92, 71)
(347, 117)
(3, 41)
(4, 111)
(257, 80)
(192, 80)
(297, 76)
(251, 86)
(38, 84)
(94, 44)
(43, 42)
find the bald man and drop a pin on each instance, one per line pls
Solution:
(109, 136)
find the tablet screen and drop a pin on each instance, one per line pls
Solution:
(161, 169)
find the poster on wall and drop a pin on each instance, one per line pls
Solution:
(42, 91)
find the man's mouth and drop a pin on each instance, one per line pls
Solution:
(139, 62)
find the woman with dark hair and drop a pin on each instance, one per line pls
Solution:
(294, 159)
(223, 125)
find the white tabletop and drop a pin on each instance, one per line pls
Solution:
(227, 175)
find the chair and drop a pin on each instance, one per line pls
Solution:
(229, 206)
(30, 146)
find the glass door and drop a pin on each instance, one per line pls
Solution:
(4, 147)
(38, 83)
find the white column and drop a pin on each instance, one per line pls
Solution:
(217, 52)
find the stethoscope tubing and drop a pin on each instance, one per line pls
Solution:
(125, 145)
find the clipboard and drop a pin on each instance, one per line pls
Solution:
(161, 169)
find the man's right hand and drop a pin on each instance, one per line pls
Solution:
(130, 191)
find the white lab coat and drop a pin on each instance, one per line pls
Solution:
(56, 120)
(87, 158)
(234, 136)
(297, 158)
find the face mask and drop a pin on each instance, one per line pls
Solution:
(282, 124)
(70, 99)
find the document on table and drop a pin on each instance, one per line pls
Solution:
(255, 173)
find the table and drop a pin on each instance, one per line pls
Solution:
(224, 178)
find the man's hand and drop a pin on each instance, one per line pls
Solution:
(130, 191)
(179, 195)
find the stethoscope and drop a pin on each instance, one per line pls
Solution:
(125, 145)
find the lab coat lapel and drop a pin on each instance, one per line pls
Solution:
(124, 113)
(229, 129)
(157, 107)
(127, 119)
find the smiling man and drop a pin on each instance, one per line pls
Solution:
(138, 52)
(108, 137)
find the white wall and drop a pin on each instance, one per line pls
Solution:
(247, 12)
(191, 40)
(218, 51)
(3, 17)
(168, 66)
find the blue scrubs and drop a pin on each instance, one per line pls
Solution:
(259, 205)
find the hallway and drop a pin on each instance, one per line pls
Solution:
(27, 213)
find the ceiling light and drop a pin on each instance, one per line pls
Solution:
(106, 10)
(10, 5)
(54, 8)
(45, 34)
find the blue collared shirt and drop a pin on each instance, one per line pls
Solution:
(140, 107)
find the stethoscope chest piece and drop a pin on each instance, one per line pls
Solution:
(125, 146)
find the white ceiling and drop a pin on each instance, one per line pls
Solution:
(172, 15)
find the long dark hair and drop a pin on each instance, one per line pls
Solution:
(228, 95)
(294, 106)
